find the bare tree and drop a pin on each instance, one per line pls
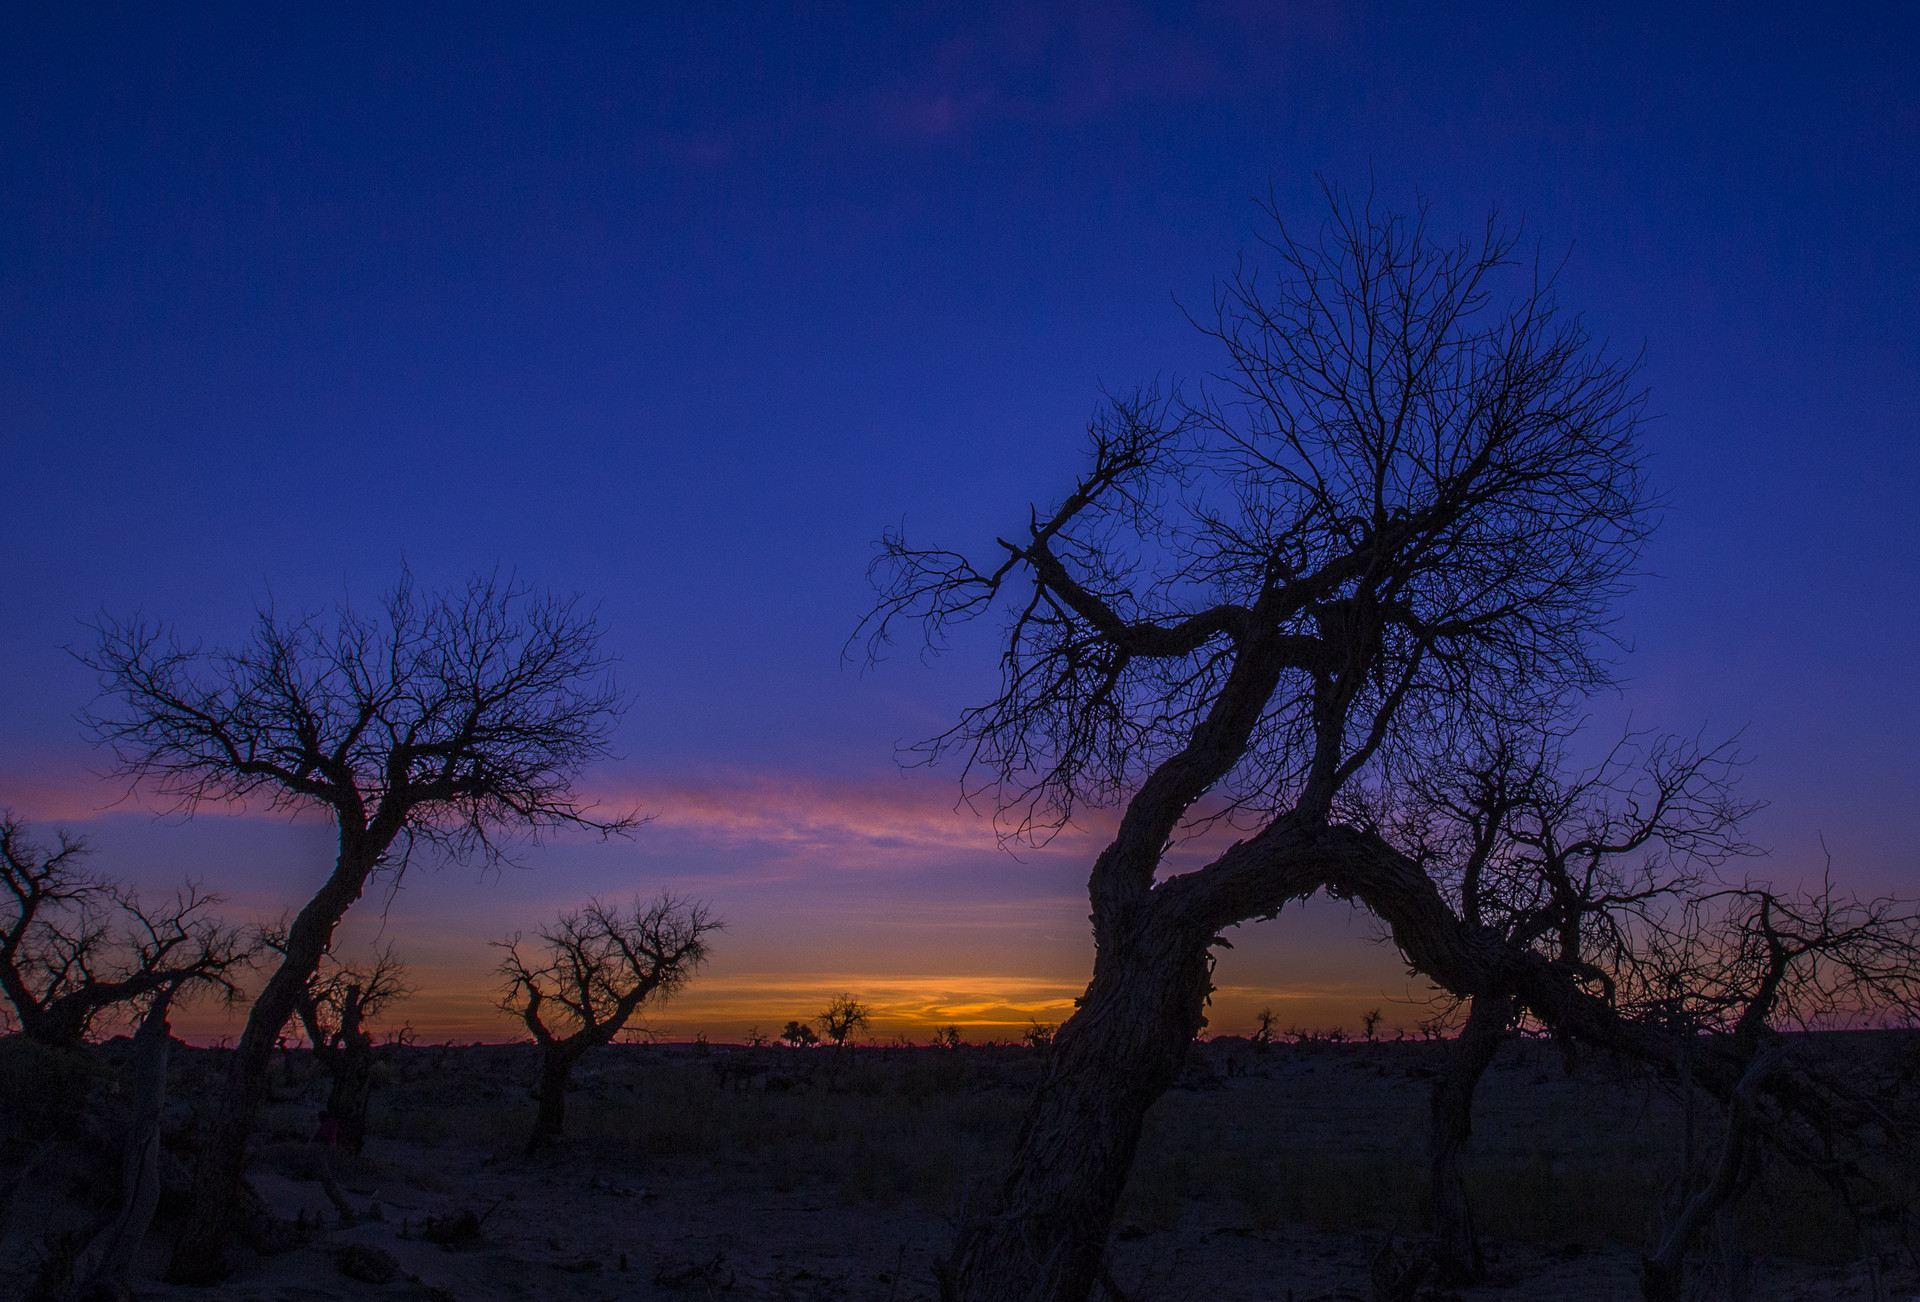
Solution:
(598, 967)
(843, 1016)
(336, 1009)
(1262, 1036)
(1578, 865)
(1404, 511)
(1611, 875)
(1739, 964)
(109, 1255)
(74, 945)
(442, 723)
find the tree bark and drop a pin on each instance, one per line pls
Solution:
(1456, 1241)
(1043, 1239)
(199, 1255)
(107, 1258)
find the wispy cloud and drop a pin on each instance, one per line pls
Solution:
(873, 820)
(770, 810)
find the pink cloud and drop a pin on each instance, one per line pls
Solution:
(57, 787)
(872, 820)
(875, 820)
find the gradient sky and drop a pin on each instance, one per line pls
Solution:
(678, 309)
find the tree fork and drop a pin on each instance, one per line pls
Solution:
(1044, 1238)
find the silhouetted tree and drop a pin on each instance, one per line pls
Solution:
(1578, 865)
(798, 1035)
(336, 1009)
(1262, 1036)
(101, 1267)
(598, 966)
(442, 723)
(843, 1016)
(74, 945)
(1739, 963)
(1405, 511)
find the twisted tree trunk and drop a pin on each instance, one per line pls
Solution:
(106, 1259)
(199, 1255)
(1456, 1241)
(1044, 1237)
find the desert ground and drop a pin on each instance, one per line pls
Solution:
(702, 1171)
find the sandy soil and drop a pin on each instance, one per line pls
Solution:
(559, 1235)
(581, 1225)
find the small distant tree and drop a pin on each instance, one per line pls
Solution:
(444, 723)
(798, 1035)
(336, 1009)
(1039, 1034)
(1262, 1036)
(1370, 1023)
(843, 1016)
(756, 1038)
(947, 1037)
(597, 967)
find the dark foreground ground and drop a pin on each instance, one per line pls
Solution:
(691, 1173)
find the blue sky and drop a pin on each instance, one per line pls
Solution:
(679, 311)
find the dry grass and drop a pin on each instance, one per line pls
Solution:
(1330, 1137)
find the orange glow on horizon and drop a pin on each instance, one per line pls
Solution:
(866, 885)
(913, 1006)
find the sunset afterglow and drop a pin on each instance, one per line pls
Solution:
(683, 322)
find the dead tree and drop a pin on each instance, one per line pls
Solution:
(1405, 511)
(1740, 964)
(108, 1257)
(74, 945)
(1576, 865)
(598, 967)
(337, 1009)
(442, 723)
(843, 1016)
